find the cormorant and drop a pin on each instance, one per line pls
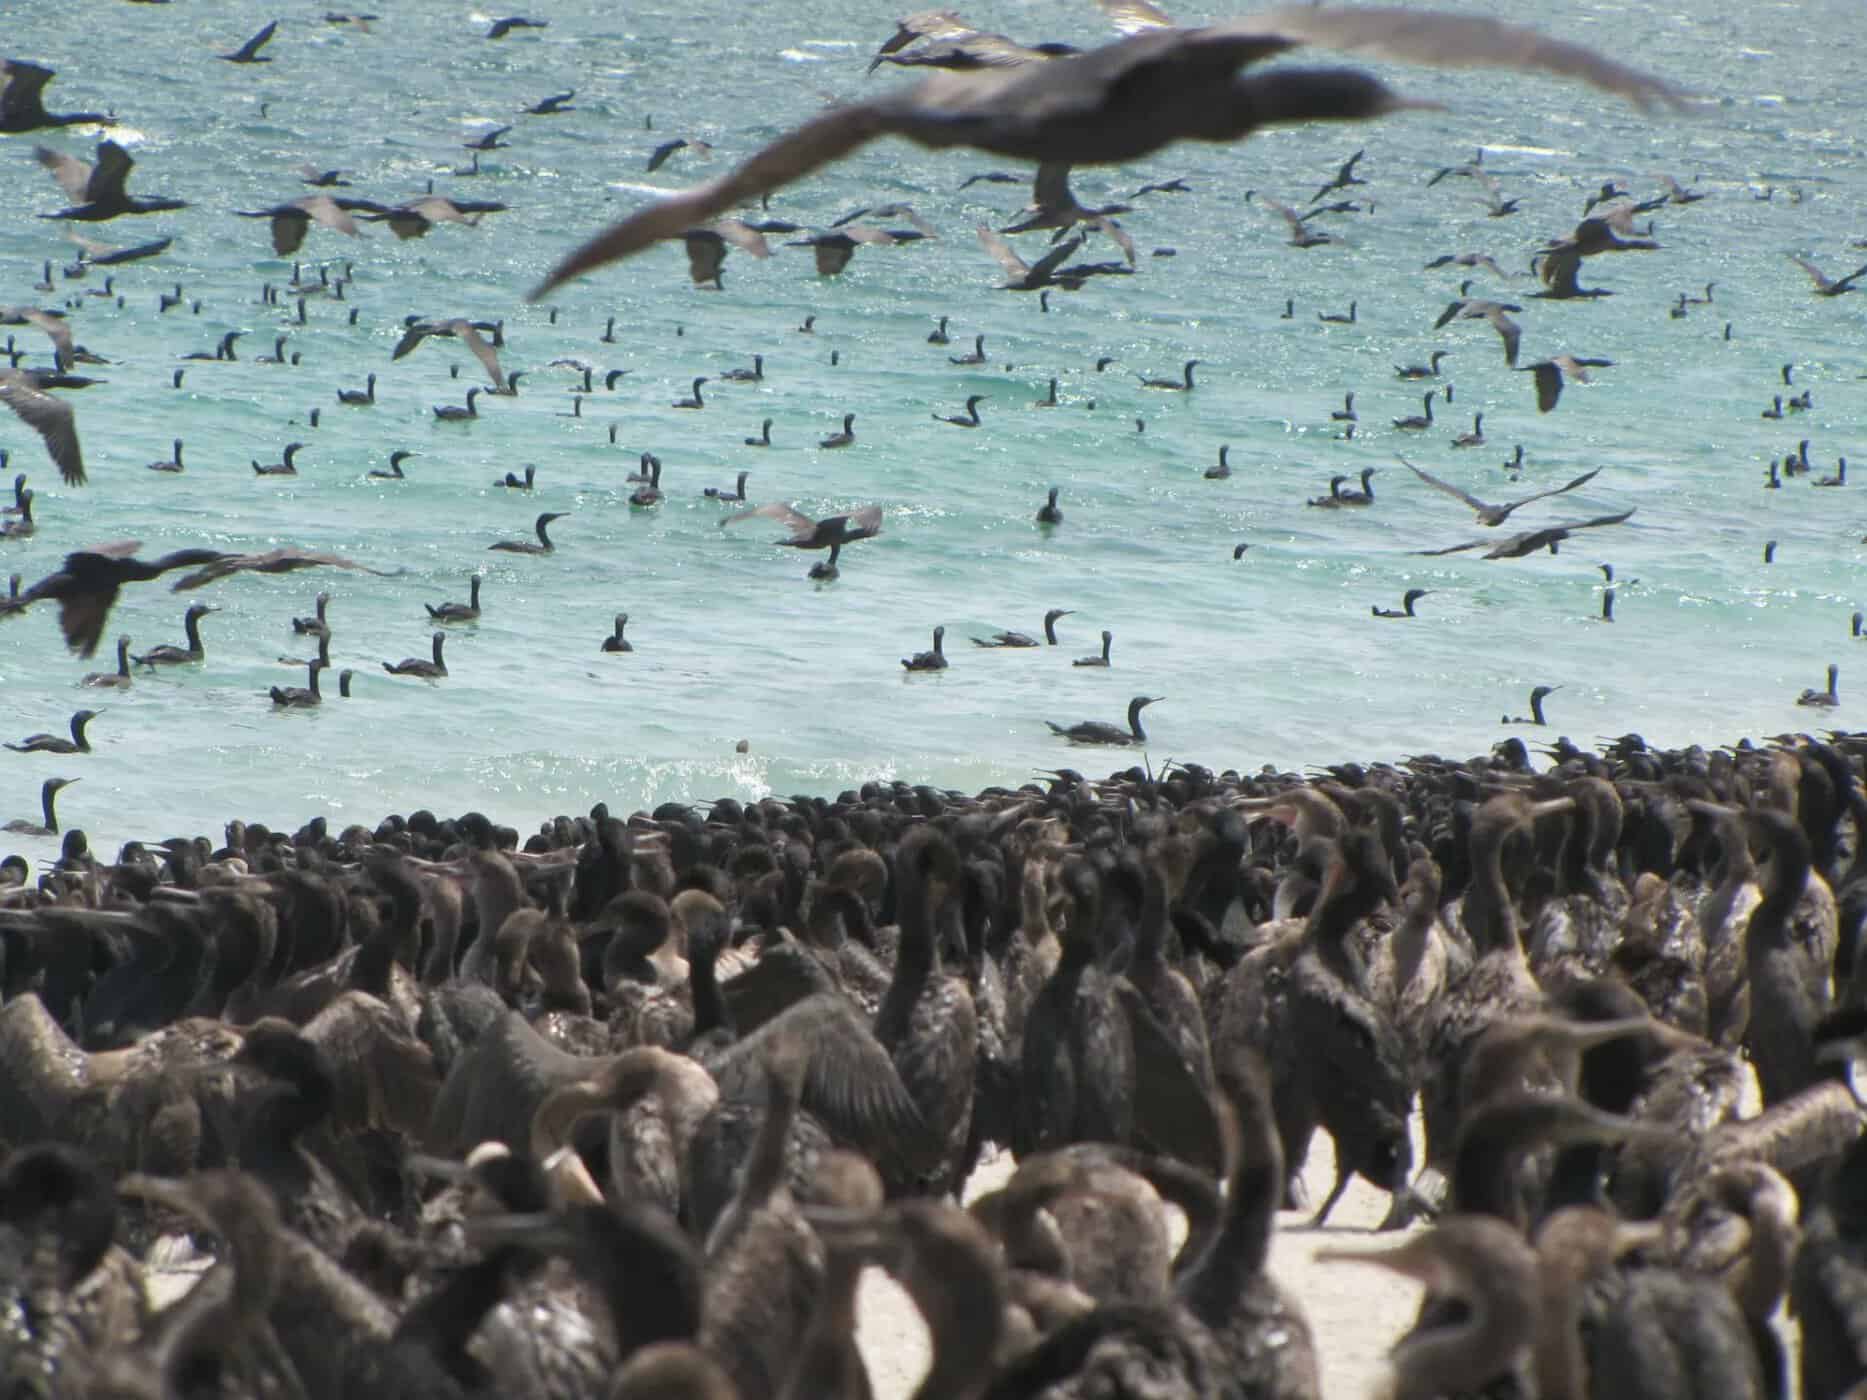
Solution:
(1108, 641)
(934, 660)
(615, 641)
(543, 544)
(173, 655)
(468, 611)
(1019, 639)
(415, 666)
(1412, 596)
(1048, 513)
(53, 743)
(1092, 731)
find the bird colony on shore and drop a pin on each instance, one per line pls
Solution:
(627, 1111)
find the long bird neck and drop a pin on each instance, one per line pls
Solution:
(191, 625)
(1790, 864)
(916, 959)
(1151, 930)
(1490, 919)
(710, 1013)
(1238, 1249)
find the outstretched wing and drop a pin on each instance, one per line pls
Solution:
(795, 521)
(1450, 41)
(816, 143)
(1449, 488)
(52, 419)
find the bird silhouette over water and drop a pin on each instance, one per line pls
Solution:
(1412, 596)
(1530, 541)
(249, 51)
(1496, 515)
(52, 419)
(816, 534)
(1127, 99)
(98, 189)
(22, 99)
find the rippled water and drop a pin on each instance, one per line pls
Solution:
(1270, 658)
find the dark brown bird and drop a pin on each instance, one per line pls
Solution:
(1126, 100)
(98, 189)
(249, 51)
(1496, 515)
(1529, 542)
(292, 220)
(1549, 376)
(22, 100)
(52, 419)
(1824, 285)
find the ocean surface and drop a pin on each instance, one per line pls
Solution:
(1268, 658)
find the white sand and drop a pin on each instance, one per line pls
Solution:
(1356, 1311)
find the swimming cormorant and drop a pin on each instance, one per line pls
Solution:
(1108, 641)
(543, 544)
(1093, 731)
(1224, 469)
(938, 335)
(976, 357)
(174, 463)
(393, 472)
(843, 439)
(695, 401)
(415, 666)
(968, 419)
(764, 434)
(302, 697)
(468, 611)
(1416, 423)
(934, 660)
(53, 743)
(1537, 696)
(1825, 699)
(747, 376)
(1019, 639)
(359, 398)
(1184, 384)
(1048, 513)
(168, 655)
(1412, 596)
(118, 679)
(615, 641)
(455, 413)
(287, 467)
(48, 796)
(735, 492)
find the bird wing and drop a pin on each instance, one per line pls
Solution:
(1134, 16)
(52, 419)
(1054, 259)
(1548, 385)
(927, 24)
(437, 209)
(1016, 268)
(867, 521)
(816, 143)
(706, 254)
(1447, 487)
(277, 561)
(330, 213)
(1451, 549)
(1508, 331)
(793, 520)
(109, 174)
(19, 94)
(742, 236)
(908, 212)
(862, 233)
(1561, 263)
(73, 174)
(257, 42)
(1572, 525)
(411, 338)
(1451, 41)
(1451, 313)
(659, 156)
(1581, 480)
(1285, 212)
(1115, 231)
(483, 352)
(1816, 275)
(1050, 189)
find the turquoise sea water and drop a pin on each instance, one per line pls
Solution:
(1269, 659)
